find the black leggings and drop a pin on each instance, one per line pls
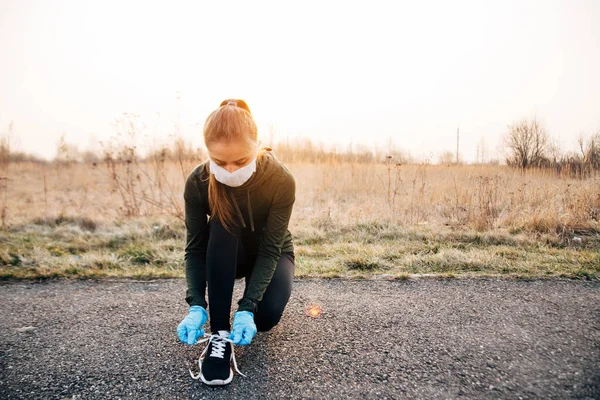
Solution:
(227, 260)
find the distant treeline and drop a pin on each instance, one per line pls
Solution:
(304, 150)
(528, 145)
(300, 150)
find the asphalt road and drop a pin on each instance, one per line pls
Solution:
(424, 339)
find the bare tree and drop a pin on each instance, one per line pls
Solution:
(590, 153)
(67, 153)
(446, 157)
(527, 143)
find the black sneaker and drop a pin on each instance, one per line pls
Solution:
(214, 362)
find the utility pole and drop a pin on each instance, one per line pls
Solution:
(457, 141)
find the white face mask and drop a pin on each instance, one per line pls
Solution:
(235, 178)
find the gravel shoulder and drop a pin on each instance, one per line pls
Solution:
(422, 338)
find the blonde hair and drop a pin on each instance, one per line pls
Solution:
(232, 121)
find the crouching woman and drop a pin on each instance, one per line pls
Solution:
(238, 205)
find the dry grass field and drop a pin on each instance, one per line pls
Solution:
(350, 220)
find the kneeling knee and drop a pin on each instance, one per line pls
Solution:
(266, 323)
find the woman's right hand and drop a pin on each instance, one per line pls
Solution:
(189, 330)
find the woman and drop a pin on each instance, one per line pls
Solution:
(248, 195)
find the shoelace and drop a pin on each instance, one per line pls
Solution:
(218, 350)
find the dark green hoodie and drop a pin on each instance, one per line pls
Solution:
(263, 205)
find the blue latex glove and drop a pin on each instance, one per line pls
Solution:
(189, 330)
(244, 328)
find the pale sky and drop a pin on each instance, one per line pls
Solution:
(332, 71)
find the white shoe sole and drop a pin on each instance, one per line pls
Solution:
(218, 382)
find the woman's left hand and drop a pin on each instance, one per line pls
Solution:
(244, 328)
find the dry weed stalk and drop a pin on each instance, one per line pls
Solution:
(417, 211)
(4, 178)
(45, 198)
(5, 161)
(488, 208)
(143, 185)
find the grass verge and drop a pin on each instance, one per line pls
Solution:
(149, 249)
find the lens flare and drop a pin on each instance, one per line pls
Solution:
(314, 310)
